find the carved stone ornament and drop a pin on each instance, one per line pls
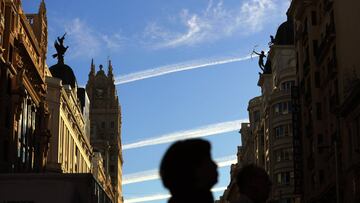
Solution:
(19, 62)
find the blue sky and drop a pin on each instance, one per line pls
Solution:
(170, 35)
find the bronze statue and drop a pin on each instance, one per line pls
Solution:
(261, 59)
(60, 49)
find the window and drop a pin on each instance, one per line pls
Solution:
(282, 131)
(286, 86)
(318, 111)
(315, 47)
(313, 18)
(283, 178)
(317, 79)
(10, 59)
(282, 108)
(283, 154)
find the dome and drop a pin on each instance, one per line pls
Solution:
(285, 34)
(65, 73)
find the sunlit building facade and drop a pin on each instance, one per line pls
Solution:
(70, 149)
(24, 117)
(105, 118)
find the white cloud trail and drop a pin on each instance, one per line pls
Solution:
(204, 131)
(163, 70)
(154, 174)
(161, 196)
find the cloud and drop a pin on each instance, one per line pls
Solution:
(81, 37)
(84, 41)
(163, 70)
(162, 196)
(204, 131)
(216, 21)
(154, 174)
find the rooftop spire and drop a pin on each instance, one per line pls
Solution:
(110, 70)
(42, 7)
(92, 67)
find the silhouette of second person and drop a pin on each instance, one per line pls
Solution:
(254, 184)
(188, 171)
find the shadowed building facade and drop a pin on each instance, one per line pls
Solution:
(327, 43)
(105, 118)
(267, 140)
(24, 117)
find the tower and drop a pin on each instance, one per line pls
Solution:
(105, 123)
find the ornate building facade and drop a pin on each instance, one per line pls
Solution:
(105, 118)
(327, 40)
(70, 149)
(24, 134)
(277, 115)
(267, 140)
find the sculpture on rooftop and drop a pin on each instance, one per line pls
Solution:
(261, 59)
(60, 49)
(272, 41)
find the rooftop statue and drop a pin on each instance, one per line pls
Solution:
(60, 49)
(261, 59)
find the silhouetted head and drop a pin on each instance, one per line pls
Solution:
(187, 167)
(254, 182)
(262, 52)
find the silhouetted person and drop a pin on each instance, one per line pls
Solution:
(188, 171)
(261, 59)
(254, 184)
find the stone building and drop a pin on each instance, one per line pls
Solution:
(267, 140)
(105, 118)
(327, 42)
(270, 117)
(70, 149)
(24, 134)
(101, 175)
(253, 135)
(277, 115)
(245, 155)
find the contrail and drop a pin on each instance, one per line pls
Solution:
(162, 196)
(163, 70)
(204, 131)
(154, 174)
